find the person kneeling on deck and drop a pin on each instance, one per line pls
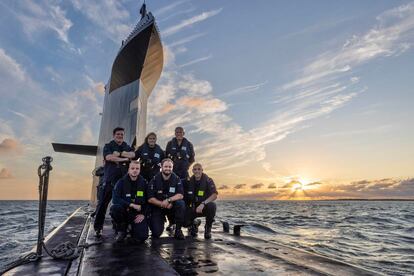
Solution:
(165, 193)
(116, 154)
(129, 205)
(200, 194)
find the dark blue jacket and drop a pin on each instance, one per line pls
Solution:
(127, 191)
(162, 189)
(150, 159)
(182, 155)
(112, 170)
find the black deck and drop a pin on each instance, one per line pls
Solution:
(225, 254)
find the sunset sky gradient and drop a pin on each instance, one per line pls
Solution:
(282, 100)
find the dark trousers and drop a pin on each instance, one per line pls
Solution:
(158, 217)
(123, 217)
(104, 199)
(209, 212)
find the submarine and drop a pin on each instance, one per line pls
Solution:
(135, 71)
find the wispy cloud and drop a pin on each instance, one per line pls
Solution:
(192, 62)
(324, 85)
(185, 40)
(110, 15)
(244, 89)
(189, 22)
(169, 8)
(42, 16)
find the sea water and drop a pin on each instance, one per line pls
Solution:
(377, 235)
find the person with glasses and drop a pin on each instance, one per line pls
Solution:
(199, 196)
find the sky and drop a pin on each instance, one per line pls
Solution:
(282, 100)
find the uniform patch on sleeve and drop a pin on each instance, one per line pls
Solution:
(140, 193)
(156, 155)
(172, 189)
(200, 193)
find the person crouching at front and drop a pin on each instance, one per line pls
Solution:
(200, 194)
(129, 205)
(165, 193)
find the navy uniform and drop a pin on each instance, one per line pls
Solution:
(150, 159)
(162, 189)
(182, 155)
(128, 191)
(196, 192)
(113, 171)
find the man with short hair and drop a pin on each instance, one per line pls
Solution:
(199, 195)
(116, 156)
(165, 193)
(129, 205)
(181, 151)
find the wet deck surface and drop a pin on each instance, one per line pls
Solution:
(225, 254)
(69, 231)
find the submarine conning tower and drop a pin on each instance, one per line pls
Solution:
(134, 74)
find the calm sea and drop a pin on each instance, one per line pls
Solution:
(378, 235)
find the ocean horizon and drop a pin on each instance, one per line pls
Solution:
(373, 234)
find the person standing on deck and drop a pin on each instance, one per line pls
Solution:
(165, 193)
(116, 154)
(181, 152)
(199, 196)
(150, 155)
(130, 206)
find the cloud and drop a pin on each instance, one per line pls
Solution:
(8, 146)
(321, 88)
(272, 186)
(257, 186)
(185, 40)
(48, 117)
(10, 69)
(329, 82)
(189, 22)
(109, 15)
(169, 8)
(5, 173)
(43, 16)
(223, 187)
(244, 89)
(195, 61)
(239, 186)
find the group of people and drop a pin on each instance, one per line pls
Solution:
(148, 185)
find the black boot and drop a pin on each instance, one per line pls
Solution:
(120, 237)
(178, 233)
(193, 229)
(170, 227)
(207, 232)
(98, 233)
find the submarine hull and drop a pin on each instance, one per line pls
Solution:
(224, 254)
